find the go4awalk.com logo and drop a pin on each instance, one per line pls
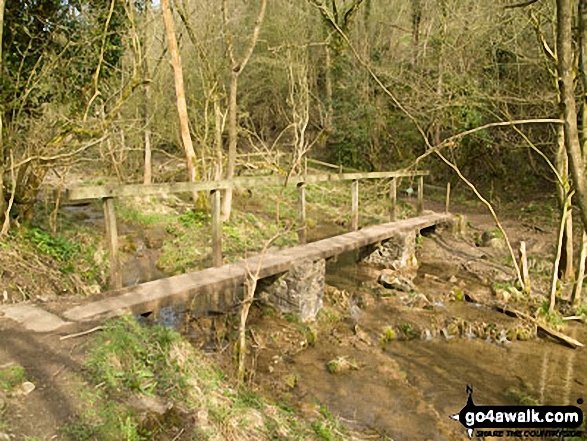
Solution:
(520, 421)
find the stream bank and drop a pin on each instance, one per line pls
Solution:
(395, 364)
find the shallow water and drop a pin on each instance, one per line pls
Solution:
(408, 389)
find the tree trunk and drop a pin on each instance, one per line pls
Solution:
(182, 109)
(218, 129)
(232, 142)
(416, 19)
(236, 69)
(328, 87)
(564, 14)
(562, 164)
(148, 168)
(583, 69)
(569, 110)
(578, 287)
(2, 155)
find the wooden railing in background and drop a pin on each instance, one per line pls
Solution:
(107, 193)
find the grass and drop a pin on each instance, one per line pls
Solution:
(11, 377)
(341, 364)
(128, 360)
(553, 319)
(407, 330)
(388, 335)
(243, 234)
(146, 211)
(328, 427)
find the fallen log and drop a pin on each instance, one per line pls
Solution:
(556, 335)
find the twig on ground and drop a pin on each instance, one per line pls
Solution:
(80, 334)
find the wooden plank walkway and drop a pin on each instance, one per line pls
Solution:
(149, 296)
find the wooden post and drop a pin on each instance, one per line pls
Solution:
(216, 229)
(524, 267)
(112, 239)
(393, 200)
(355, 206)
(420, 195)
(446, 210)
(302, 238)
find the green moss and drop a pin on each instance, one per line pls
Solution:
(553, 319)
(11, 376)
(388, 335)
(458, 294)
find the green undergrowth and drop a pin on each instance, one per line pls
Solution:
(11, 377)
(38, 262)
(257, 216)
(553, 319)
(129, 363)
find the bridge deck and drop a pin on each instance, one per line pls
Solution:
(147, 296)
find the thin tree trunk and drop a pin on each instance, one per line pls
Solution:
(559, 248)
(564, 46)
(576, 297)
(416, 19)
(236, 69)
(578, 287)
(218, 129)
(562, 164)
(2, 155)
(583, 69)
(148, 170)
(182, 109)
(232, 142)
(328, 87)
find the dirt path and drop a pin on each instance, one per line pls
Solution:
(54, 367)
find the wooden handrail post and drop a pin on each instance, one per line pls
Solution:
(302, 235)
(393, 200)
(420, 195)
(524, 267)
(447, 208)
(216, 229)
(112, 239)
(355, 206)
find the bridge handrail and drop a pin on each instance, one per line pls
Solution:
(107, 193)
(240, 182)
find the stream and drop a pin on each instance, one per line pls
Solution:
(406, 388)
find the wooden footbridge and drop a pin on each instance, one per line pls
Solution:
(230, 278)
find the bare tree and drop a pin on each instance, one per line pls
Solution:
(148, 168)
(237, 67)
(564, 46)
(180, 93)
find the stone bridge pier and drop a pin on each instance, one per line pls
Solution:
(300, 290)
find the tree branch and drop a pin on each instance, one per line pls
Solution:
(521, 5)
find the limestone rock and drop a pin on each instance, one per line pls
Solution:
(395, 253)
(150, 405)
(419, 301)
(493, 239)
(391, 280)
(298, 291)
(25, 388)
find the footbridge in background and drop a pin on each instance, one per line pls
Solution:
(292, 279)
